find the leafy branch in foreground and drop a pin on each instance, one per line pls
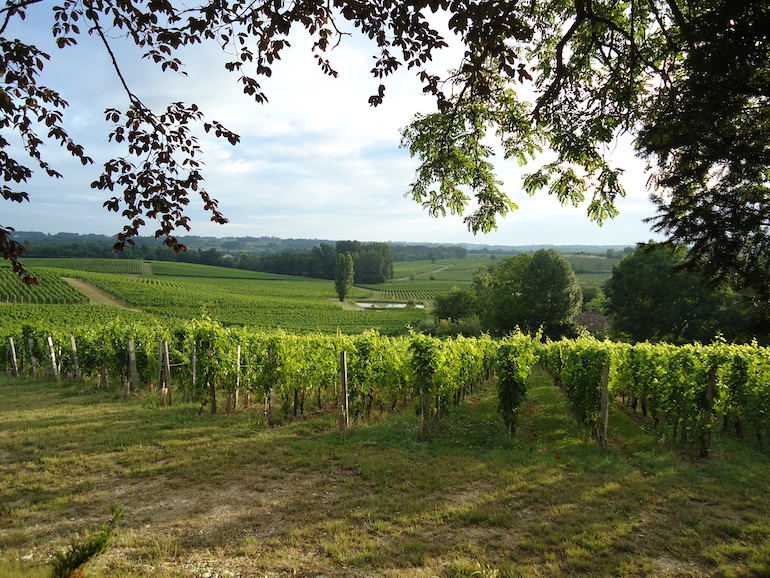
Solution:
(67, 563)
(687, 82)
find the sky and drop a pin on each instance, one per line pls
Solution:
(315, 162)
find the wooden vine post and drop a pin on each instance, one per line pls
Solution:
(160, 364)
(345, 405)
(133, 374)
(32, 360)
(165, 364)
(75, 363)
(12, 354)
(52, 355)
(604, 410)
(708, 415)
(194, 367)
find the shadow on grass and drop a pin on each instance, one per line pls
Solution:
(307, 498)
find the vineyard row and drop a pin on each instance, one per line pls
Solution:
(203, 360)
(686, 392)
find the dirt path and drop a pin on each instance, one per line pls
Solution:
(97, 296)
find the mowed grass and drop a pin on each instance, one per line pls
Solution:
(218, 494)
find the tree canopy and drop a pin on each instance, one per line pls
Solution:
(650, 298)
(531, 292)
(343, 278)
(689, 81)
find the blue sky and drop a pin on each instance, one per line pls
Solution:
(315, 162)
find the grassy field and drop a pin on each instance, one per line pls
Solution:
(227, 495)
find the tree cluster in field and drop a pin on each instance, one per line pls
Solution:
(372, 262)
(651, 296)
(530, 292)
(402, 252)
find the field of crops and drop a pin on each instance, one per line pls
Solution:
(380, 368)
(237, 297)
(405, 269)
(417, 285)
(117, 266)
(591, 263)
(230, 296)
(171, 268)
(592, 278)
(52, 289)
(590, 270)
(410, 295)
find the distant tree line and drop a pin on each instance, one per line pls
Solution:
(373, 262)
(427, 252)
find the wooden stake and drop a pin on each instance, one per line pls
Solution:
(345, 414)
(32, 360)
(134, 377)
(75, 363)
(605, 406)
(12, 353)
(52, 353)
(160, 364)
(167, 369)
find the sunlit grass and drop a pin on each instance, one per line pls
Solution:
(229, 492)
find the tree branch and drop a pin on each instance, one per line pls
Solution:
(12, 8)
(553, 89)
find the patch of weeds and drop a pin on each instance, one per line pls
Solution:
(481, 517)
(474, 569)
(251, 546)
(163, 547)
(13, 539)
(65, 564)
(727, 529)
(18, 569)
(415, 553)
(343, 543)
